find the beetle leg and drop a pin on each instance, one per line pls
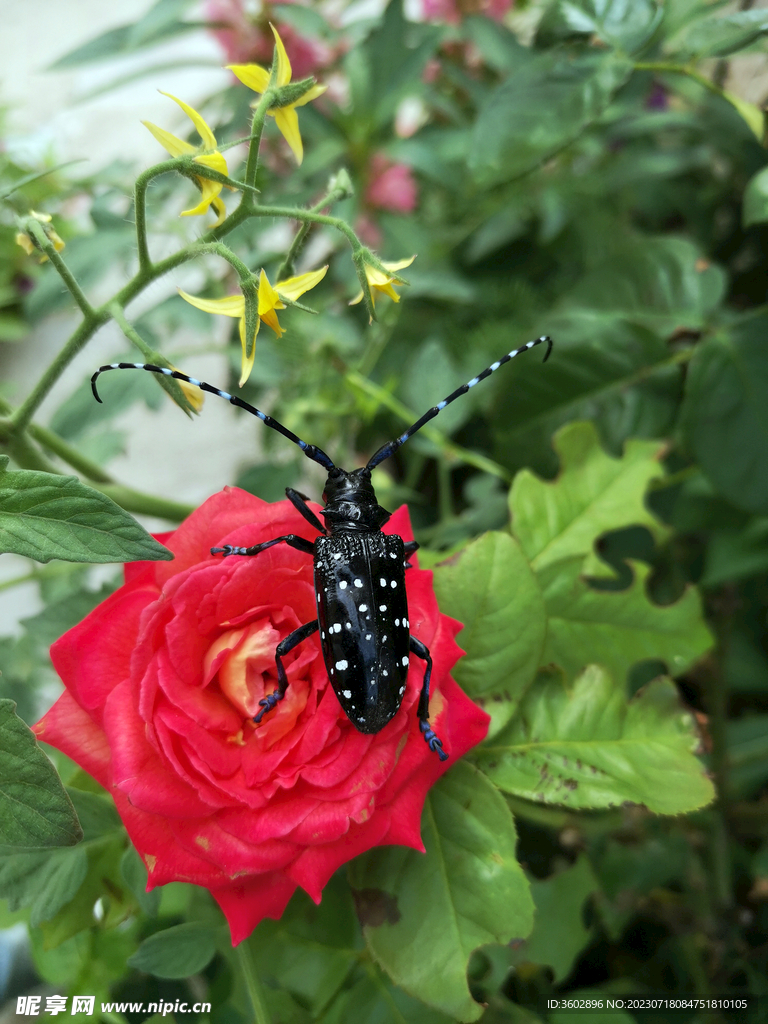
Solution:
(411, 547)
(299, 502)
(291, 641)
(434, 744)
(290, 538)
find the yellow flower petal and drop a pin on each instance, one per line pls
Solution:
(270, 318)
(23, 239)
(359, 298)
(309, 95)
(174, 145)
(221, 210)
(210, 189)
(268, 297)
(205, 133)
(398, 264)
(213, 160)
(230, 305)
(287, 120)
(193, 395)
(247, 361)
(283, 63)
(252, 75)
(293, 287)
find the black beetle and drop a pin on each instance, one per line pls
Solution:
(362, 609)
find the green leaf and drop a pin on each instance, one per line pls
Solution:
(45, 516)
(374, 1000)
(617, 628)
(35, 810)
(736, 554)
(491, 588)
(467, 891)
(754, 208)
(309, 952)
(594, 493)
(160, 22)
(586, 746)
(558, 934)
(540, 108)
(44, 882)
(627, 26)
(725, 415)
(135, 877)
(659, 283)
(718, 37)
(176, 952)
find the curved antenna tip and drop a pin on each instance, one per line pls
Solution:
(549, 348)
(93, 387)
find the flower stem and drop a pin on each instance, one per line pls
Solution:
(47, 246)
(286, 267)
(435, 436)
(252, 983)
(257, 128)
(82, 333)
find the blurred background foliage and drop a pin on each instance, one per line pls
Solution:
(587, 169)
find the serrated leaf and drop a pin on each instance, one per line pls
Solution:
(35, 810)
(559, 519)
(559, 933)
(617, 628)
(493, 591)
(586, 746)
(467, 891)
(542, 106)
(45, 516)
(176, 952)
(725, 415)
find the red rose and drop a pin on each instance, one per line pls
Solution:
(163, 680)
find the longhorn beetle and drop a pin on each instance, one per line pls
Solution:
(362, 610)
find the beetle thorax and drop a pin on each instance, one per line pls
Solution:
(350, 502)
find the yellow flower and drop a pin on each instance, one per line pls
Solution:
(270, 300)
(286, 118)
(208, 155)
(380, 282)
(26, 243)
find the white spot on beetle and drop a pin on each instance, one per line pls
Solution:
(383, 582)
(341, 665)
(384, 638)
(361, 719)
(348, 625)
(392, 554)
(382, 607)
(322, 634)
(363, 607)
(336, 627)
(397, 622)
(342, 584)
(368, 636)
(405, 659)
(402, 690)
(346, 693)
(337, 554)
(384, 672)
(393, 584)
(358, 583)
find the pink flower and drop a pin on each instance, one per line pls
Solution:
(452, 11)
(246, 39)
(391, 186)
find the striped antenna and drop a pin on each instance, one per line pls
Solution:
(310, 450)
(391, 446)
